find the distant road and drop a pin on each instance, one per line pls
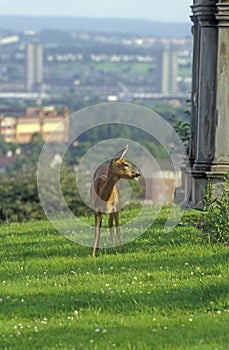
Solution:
(131, 96)
(23, 95)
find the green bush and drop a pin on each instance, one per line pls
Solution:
(20, 200)
(19, 197)
(216, 220)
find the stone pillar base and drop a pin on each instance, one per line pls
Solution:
(196, 183)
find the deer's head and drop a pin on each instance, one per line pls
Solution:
(122, 168)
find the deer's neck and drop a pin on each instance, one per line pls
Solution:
(108, 187)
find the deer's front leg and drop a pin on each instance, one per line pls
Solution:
(110, 224)
(118, 230)
(98, 223)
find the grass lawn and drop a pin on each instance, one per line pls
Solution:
(107, 67)
(167, 291)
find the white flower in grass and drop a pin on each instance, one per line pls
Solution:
(44, 321)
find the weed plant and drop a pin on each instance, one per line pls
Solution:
(216, 219)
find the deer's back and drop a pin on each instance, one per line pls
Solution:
(99, 179)
(101, 171)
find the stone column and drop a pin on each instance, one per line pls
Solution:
(206, 89)
(195, 79)
(186, 173)
(209, 144)
(221, 154)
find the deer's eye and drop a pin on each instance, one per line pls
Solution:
(125, 165)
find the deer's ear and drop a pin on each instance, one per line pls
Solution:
(121, 153)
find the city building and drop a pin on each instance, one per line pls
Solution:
(34, 67)
(46, 121)
(161, 184)
(166, 71)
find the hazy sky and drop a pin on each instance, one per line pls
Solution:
(165, 10)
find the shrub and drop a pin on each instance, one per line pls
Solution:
(216, 220)
(20, 200)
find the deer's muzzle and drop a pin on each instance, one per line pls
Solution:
(136, 176)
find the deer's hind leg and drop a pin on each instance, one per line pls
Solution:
(118, 230)
(98, 224)
(111, 229)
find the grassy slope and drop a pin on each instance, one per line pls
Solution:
(168, 291)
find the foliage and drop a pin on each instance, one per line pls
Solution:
(165, 110)
(182, 127)
(70, 192)
(29, 155)
(167, 291)
(6, 147)
(110, 131)
(216, 220)
(20, 199)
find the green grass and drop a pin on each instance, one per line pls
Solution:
(184, 71)
(167, 291)
(108, 67)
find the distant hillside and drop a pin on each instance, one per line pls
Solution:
(128, 26)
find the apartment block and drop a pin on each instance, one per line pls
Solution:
(34, 67)
(46, 121)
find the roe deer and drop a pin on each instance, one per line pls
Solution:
(105, 194)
